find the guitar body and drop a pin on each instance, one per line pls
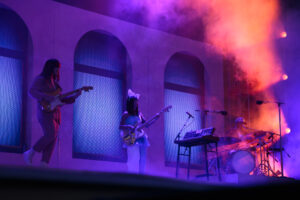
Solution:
(130, 137)
(50, 106)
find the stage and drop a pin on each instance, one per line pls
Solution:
(41, 183)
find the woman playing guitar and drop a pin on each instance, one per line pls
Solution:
(136, 152)
(132, 134)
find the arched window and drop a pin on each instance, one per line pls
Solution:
(100, 61)
(13, 88)
(183, 89)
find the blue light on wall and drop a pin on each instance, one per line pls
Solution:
(181, 102)
(11, 101)
(184, 77)
(100, 61)
(13, 48)
(96, 116)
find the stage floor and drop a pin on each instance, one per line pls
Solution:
(41, 183)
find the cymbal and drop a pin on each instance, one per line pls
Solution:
(249, 148)
(255, 139)
(263, 133)
(259, 134)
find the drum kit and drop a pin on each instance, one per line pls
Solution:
(252, 154)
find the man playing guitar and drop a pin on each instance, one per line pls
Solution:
(45, 89)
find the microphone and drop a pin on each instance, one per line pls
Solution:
(222, 112)
(189, 114)
(259, 102)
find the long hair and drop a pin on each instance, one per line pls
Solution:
(130, 107)
(49, 67)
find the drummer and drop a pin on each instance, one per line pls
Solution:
(239, 131)
(240, 137)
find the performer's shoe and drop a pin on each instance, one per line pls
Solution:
(28, 155)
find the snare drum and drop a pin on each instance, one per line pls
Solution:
(242, 161)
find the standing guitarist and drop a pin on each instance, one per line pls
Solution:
(136, 151)
(45, 88)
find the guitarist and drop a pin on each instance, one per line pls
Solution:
(45, 88)
(131, 117)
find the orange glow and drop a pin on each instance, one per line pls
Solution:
(268, 117)
(243, 29)
(287, 130)
(283, 34)
(246, 31)
(285, 77)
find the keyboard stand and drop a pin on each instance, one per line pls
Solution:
(178, 160)
(217, 157)
(188, 147)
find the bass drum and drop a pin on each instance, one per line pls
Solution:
(242, 162)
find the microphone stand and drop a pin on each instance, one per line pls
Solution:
(204, 118)
(184, 125)
(178, 152)
(280, 142)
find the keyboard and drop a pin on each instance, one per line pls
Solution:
(198, 137)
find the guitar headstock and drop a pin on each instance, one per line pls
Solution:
(166, 109)
(87, 88)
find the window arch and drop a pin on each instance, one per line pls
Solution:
(14, 44)
(101, 61)
(184, 90)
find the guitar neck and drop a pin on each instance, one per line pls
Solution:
(149, 121)
(70, 93)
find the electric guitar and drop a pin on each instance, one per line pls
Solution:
(57, 101)
(129, 137)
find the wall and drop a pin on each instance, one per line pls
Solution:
(55, 30)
